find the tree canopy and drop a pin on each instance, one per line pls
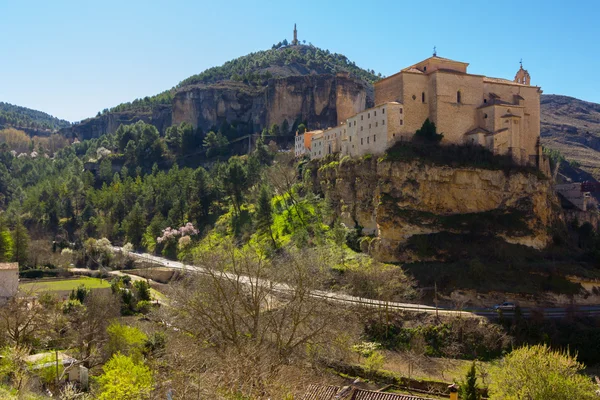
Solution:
(540, 373)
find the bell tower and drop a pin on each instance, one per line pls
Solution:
(295, 41)
(522, 75)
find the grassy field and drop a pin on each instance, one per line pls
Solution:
(63, 285)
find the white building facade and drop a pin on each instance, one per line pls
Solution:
(9, 280)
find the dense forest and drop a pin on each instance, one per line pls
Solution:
(17, 116)
(257, 68)
(253, 215)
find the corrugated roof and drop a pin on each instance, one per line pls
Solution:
(9, 266)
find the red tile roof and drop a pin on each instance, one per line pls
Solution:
(319, 392)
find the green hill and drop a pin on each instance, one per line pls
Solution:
(257, 68)
(23, 117)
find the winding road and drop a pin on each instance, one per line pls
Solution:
(557, 312)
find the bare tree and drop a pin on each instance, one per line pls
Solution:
(88, 325)
(256, 313)
(20, 319)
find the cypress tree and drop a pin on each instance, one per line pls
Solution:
(468, 388)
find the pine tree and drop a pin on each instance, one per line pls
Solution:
(264, 213)
(134, 225)
(20, 240)
(285, 128)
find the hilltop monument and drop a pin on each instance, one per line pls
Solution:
(295, 41)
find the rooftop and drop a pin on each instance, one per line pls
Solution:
(9, 266)
(320, 392)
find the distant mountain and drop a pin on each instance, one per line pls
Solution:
(572, 127)
(22, 117)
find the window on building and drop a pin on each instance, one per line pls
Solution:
(361, 117)
(383, 110)
(361, 141)
(374, 113)
(485, 100)
(350, 138)
(361, 128)
(401, 111)
(424, 69)
(383, 122)
(394, 135)
(376, 123)
(484, 115)
(374, 138)
(423, 97)
(368, 115)
(369, 126)
(401, 122)
(458, 96)
(367, 139)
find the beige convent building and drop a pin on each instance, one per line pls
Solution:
(499, 114)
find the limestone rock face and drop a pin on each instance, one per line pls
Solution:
(206, 106)
(396, 201)
(320, 100)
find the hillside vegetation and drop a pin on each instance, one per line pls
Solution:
(572, 127)
(257, 68)
(27, 118)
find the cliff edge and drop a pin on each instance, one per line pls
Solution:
(396, 202)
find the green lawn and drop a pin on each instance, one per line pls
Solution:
(63, 285)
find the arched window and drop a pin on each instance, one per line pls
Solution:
(423, 97)
(458, 96)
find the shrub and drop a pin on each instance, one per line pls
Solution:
(538, 372)
(39, 273)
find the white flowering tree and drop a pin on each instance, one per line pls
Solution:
(176, 239)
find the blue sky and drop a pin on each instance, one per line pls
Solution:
(74, 58)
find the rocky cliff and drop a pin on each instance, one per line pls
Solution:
(398, 202)
(321, 100)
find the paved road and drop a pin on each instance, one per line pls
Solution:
(558, 312)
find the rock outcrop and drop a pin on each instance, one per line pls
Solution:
(396, 202)
(321, 100)
(572, 126)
